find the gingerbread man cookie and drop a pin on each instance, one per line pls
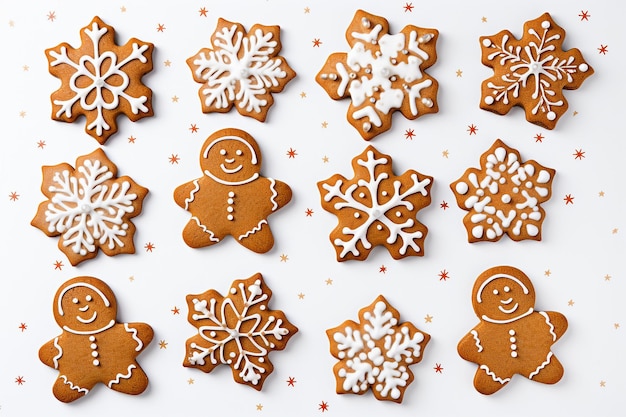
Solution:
(232, 198)
(101, 80)
(93, 346)
(512, 337)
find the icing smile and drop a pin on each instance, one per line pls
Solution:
(509, 311)
(89, 320)
(228, 170)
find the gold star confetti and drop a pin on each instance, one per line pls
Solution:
(614, 231)
(616, 325)
(602, 384)
(307, 10)
(329, 281)
(575, 113)
(11, 23)
(607, 277)
(174, 99)
(459, 73)
(428, 318)
(284, 258)
(162, 344)
(570, 303)
(259, 407)
(301, 296)
(324, 124)
(123, 9)
(167, 63)
(601, 194)
(131, 278)
(25, 68)
(484, 19)
(22, 114)
(445, 154)
(190, 381)
(547, 272)
(325, 159)
(303, 94)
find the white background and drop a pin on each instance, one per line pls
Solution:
(583, 243)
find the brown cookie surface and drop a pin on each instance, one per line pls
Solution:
(93, 347)
(101, 80)
(511, 337)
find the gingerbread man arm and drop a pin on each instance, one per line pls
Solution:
(49, 352)
(142, 333)
(559, 322)
(470, 346)
(183, 192)
(283, 192)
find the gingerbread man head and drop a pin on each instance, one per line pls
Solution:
(502, 295)
(231, 156)
(85, 305)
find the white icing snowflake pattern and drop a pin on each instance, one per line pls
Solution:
(376, 208)
(102, 79)
(237, 330)
(382, 73)
(241, 68)
(89, 208)
(504, 196)
(376, 352)
(531, 72)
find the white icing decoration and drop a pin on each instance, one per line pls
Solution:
(240, 68)
(376, 212)
(72, 386)
(212, 237)
(127, 375)
(540, 367)
(84, 209)
(80, 284)
(493, 375)
(549, 323)
(99, 80)
(55, 359)
(274, 194)
(474, 334)
(253, 230)
(134, 336)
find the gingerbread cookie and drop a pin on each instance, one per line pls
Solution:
(511, 338)
(231, 198)
(376, 352)
(241, 68)
(89, 207)
(376, 208)
(93, 346)
(531, 72)
(101, 80)
(504, 196)
(382, 73)
(238, 330)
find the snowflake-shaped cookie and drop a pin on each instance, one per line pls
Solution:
(531, 72)
(376, 207)
(89, 207)
(238, 330)
(382, 73)
(241, 68)
(376, 352)
(504, 196)
(101, 80)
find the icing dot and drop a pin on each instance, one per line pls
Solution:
(583, 67)
(372, 100)
(92, 338)
(502, 180)
(223, 152)
(384, 193)
(461, 188)
(489, 100)
(513, 346)
(512, 332)
(495, 292)
(506, 199)
(93, 346)
(545, 24)
(230, 201)
(233, 290)
(480, 193)
(212, 334)
(427, 102)
(75, 300)
(94, 354)
(489, 220)
(230, 217)
(551, 115)
(229, 209)
(232, 354)
(357, 215)
(398, 214)
(502, 167)
(231, 194)
(379, 227)
(512, 340)
(362, 195)
(507, 289)
(352, 75)
(515, 190)
(96, 362)
(261, 360)
(487, 43)
(239, 152)
(367, 126)
(528, 184)
(514, 354)
(524, 216)
(262, 307)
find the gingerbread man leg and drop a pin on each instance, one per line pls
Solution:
(68, 391)
(132, 381)
(259, 239)
(488, 383)
(549, 373)
(196, 235)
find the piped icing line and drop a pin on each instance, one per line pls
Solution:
(134, 336)
(540, 367)
(274, 194)
(72, 386)
(494, 376)
(108, 326)
(549, 323)
(120, 376)
(192, 194)
(212, 237)
(55, 359)
(489, 319)
(253, 230)
(474, 334)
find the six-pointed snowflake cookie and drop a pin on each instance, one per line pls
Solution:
(512, 337)
(101, 80)
(242, 69)
(504, 196)
(531, 72)
(376, 207)
(93, 347)
(376, 352)
(89, 207)
(382, 73)
(231, 198)
(238, 330)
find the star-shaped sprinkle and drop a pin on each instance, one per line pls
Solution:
(301, 296)
(308, 212)
(20, 380)
(459, 73)
(614, 231)
(408, 7)
(584, 15)
(444, 275)
(174, 99)
(607, 277)
(570, 303)
(616, 325)
(41, 144)
(569, 199)
(483, 19)
(438, 368)
(190, 381)
(603, 384)
(259, 407)
(323, 406)
(160, 27)
(539, 138)
(174, 158)
(22, 327)
(291, 381)
(443, 205)
(291, 153)
(11, 23)
(284, 258)
(203, 12)
(14, 196)
(316, 42)
(601, 194)
(428, 318)
(547, 272)
(131, 278)
(193, 128)
(445, 153)
(22, 114)
(167, 63)
(329, 281)
(307, 10)
(324, 124)
(51, 16)
(149, 246)
(409, 134)
(58, 265)
(131, 139)
(603, 49)
(325, 159)
(123, 9)
(302, 94)
(162, 344)
(382, 269)
(25, 68)
(175, 310)
(578, 154)
(472, 129)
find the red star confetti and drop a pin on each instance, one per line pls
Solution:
(131, 139)
(444, 275)
(20, 380)
(193, 128)
(539, 138)
(409, 134)
(22, 327)
(149, 246)
(58, 265)
(584, 15)
(174, 158)
(203, 11)
(309, 212)
(160, 27)
(603, 49)
(408, 7)
(578, 154)
(14, 196)
(472, 129)
(291, 381)
(438, 368)
(175, 310)
(316, 43)
(41, 144)
(382, 269)
(569, 199)
(323, 406)
(443, 205)
(291, 153)
(51, 16)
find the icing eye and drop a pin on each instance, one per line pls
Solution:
(507, 289)
(75, 300)
(495, 292)
(239, 152)
(223, 152)
(88, 298)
